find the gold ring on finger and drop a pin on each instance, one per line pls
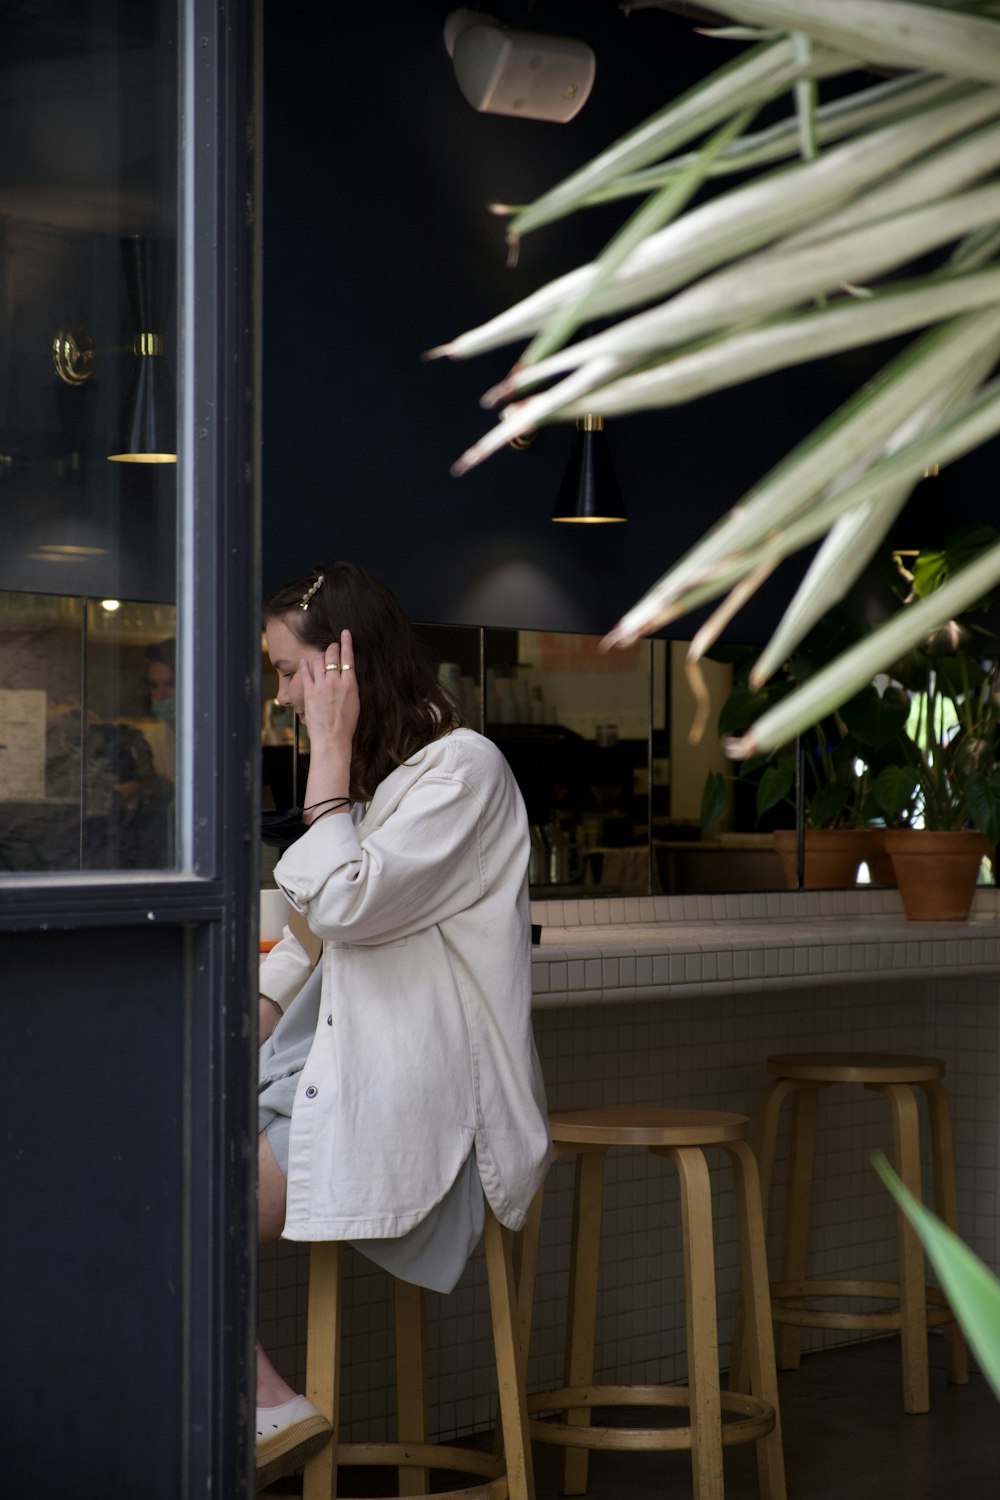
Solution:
(330, 666)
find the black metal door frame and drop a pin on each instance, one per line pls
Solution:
(210, 904)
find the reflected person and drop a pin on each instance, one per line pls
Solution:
(161, 691)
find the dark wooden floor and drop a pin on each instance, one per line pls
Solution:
(846, 1437)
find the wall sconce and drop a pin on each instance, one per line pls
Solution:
(521, 73)
(147, 425)
(589, 491)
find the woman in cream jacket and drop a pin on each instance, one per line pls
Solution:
(399, 1080)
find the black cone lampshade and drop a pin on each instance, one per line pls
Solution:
(147, 427)
(589, 491)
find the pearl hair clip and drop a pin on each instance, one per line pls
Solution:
(304, 601)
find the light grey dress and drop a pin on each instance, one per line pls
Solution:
(432, 1254)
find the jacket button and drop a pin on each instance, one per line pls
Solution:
(311, 1091)
(329, 1020)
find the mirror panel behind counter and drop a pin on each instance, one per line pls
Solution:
(598, 743)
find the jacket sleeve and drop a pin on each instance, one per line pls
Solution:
(423, 863)
(284, 970)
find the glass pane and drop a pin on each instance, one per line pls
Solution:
(87, 430)
(734, 853)
(455, 653)
(129, 736)
(41, 647)
(574, 723)
(87, 739)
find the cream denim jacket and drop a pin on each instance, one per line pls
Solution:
(424, 1046)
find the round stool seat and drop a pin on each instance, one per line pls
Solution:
(855, 1067)
(645, 1125)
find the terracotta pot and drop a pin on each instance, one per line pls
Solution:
(936, 872)
(832, 856)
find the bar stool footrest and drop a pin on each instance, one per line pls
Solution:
(432, 1456)
(937, 1311)
(753, 1418)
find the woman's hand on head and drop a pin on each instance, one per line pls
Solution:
(331, 699)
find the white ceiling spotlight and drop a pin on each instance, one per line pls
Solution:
(505, 72)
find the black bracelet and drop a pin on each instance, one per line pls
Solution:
(328, 802)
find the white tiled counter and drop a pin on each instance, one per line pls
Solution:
(662, 947)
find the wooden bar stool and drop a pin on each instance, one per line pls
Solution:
(919, 1306)
(501, 1475)
(682, 1135)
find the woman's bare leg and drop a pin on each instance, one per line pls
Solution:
(271, 1389)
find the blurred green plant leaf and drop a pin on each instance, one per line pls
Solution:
(970, 1286)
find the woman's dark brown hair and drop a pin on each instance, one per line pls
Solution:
(403, 707)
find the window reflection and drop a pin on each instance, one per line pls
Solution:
(575, 725)
(86, 762)
(599, 745)
(88, 228)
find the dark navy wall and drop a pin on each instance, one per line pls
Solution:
(92, 1268)
(378, 245)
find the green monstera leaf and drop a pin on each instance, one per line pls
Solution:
(741, 708)
(826, 805)
(876, 719)
(775, 784)
(714, 800)
(894, 790)
(962, 546)
(982, 802)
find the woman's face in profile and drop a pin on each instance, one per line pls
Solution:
(287, 653)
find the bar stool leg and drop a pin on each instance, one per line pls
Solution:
(758, 1332)
(946, 1206)
(581, 1322)
(411, 1380)
(700, 1309)
(323, 1364)
(912, 1294)
(800, 1170)
(509, 1361)
(525, 1260)
(765, 1146)
(525, 1265)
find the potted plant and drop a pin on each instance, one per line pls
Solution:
(841, 758)
(940, 796)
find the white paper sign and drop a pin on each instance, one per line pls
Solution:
(22, 745)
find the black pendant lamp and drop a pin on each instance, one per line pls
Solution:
(147, 426)
(589, 490)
